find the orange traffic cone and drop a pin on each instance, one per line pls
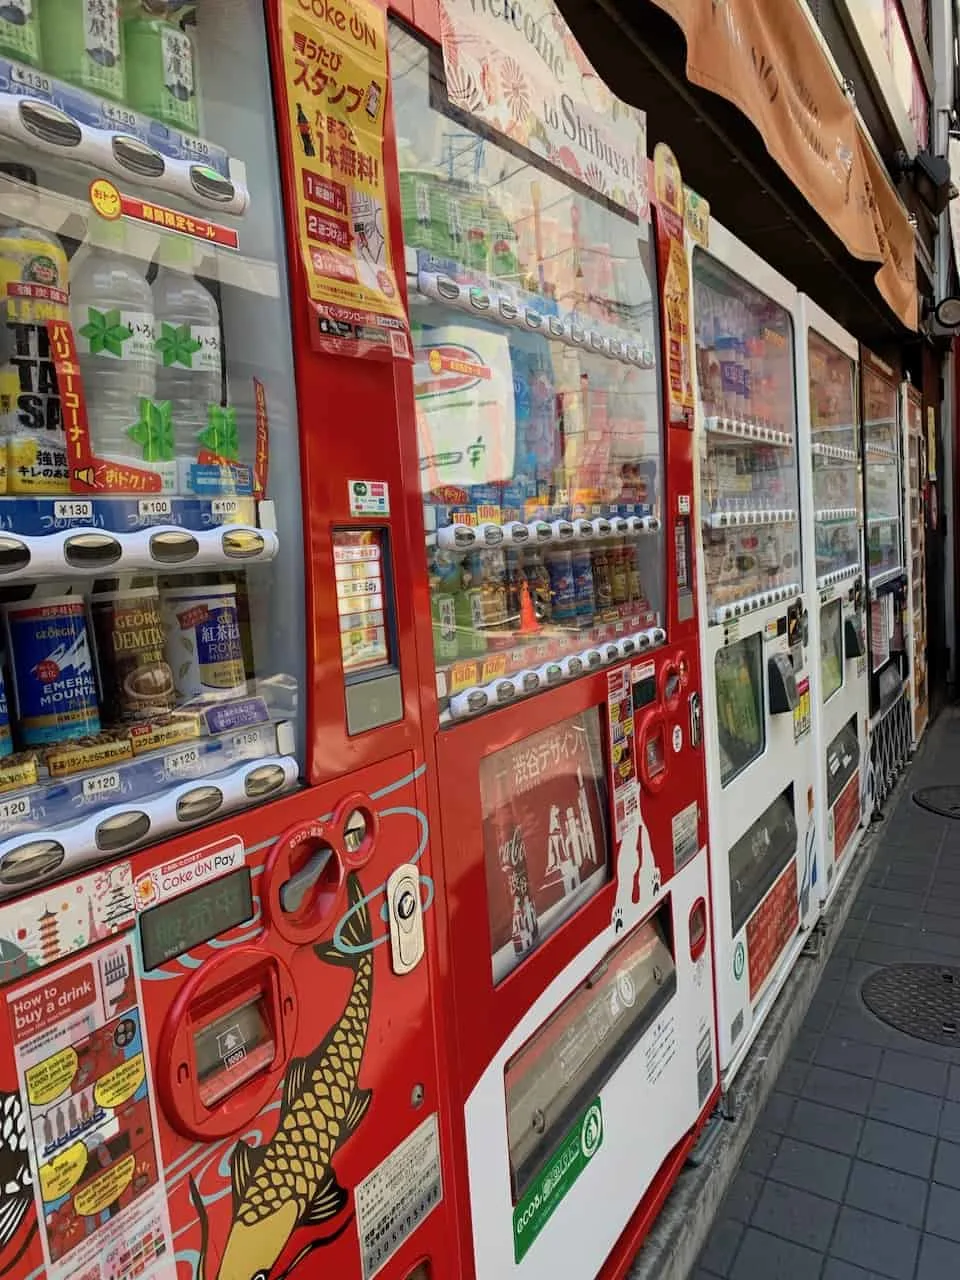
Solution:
(529, 626)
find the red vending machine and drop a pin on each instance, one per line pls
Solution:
(560, 630)
(217, 1049)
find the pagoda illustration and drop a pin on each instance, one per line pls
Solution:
(49, 936)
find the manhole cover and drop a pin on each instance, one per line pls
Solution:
(922, 1000)
(942, 800)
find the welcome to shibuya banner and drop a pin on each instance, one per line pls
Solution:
(515, 65)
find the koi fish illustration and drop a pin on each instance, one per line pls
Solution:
(290, 1182)
(16, 1191)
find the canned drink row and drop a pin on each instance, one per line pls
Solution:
(78, 664)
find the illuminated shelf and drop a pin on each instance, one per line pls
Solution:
(835, 515)
(836, 576)
(51, 853)
(521, 684)
(750, 604)
(883, 519)
(465, 537)
(745, 429)
(882, 451)
(834, 451)
(740, 519)
(499, 302)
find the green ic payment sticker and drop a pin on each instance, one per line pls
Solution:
(547, 1189)
(739, 956)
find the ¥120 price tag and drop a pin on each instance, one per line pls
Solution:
(101, 784)
(14, 809)
(181, 761)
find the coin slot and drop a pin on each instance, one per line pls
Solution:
(357, 828)
(312, 889)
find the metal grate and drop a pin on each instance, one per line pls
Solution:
(942, 800)
(921, 1000)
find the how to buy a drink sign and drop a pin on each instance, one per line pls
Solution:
(335, 71)
(516, 66)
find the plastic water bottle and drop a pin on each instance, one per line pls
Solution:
(111, 309)
(189, 351)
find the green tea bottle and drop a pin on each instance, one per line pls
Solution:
(161, 71)
(81, 44)
(20, 31)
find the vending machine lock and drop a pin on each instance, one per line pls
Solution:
(406, 918)
(783, 684)
(696, 720)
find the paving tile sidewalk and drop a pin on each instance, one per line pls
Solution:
(853, 1170)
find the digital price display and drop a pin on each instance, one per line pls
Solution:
(170, 928)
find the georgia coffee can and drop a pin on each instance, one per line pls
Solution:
(135, 677)
(54, 685)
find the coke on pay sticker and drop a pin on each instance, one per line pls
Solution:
(172, 878)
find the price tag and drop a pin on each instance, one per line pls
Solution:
(73, 509)
(101, 784)
(240, 741)
(151, 508)
(225, 508)
(15, 808)
(121, 116)
(30, 79)
(181, 761)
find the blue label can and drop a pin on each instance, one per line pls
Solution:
(6, 741)
(54, 685)
(562, 595)
(583, 585)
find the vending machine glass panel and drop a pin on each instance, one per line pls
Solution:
(741, 719)
(533, 309)
(831, 648)
(152, 611)
(544, 834)
(882, 463)
(835, 434)
(748, 464)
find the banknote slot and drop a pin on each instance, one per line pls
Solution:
(233, 1048)
(566, 1063)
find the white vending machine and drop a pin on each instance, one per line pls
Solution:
(829, 422)
(915, 459)
(755, 646)
(890, 728)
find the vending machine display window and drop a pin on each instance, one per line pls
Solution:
(741, 721)
(759, 856)
(152, 601)
(834, 418)
(533, 310)
(882, 465)
(566, 1063)
(748, 463)
(545, 842)
(831, 648)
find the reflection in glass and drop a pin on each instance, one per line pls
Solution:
(834, 425)
(748, 469)
(831, 648)
(540, 442)
(882, 462)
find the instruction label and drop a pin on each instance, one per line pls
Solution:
(546, 1192)
(623, 764)
(685, 842)
(397, 1196)
(85, 1083)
